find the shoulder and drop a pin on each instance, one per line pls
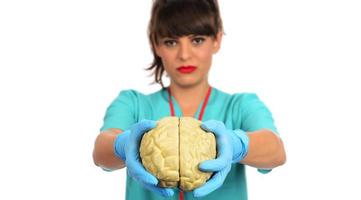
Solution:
(242, 103)
(242, 98)
(246, 98)
(133, 92)
(254, 114)
(135, 96)
(130, 94)
(248, 103)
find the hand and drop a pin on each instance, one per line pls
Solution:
(126, 147)
(232, 147)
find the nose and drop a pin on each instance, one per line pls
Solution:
(185, 51)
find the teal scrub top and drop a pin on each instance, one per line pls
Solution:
(243, 111)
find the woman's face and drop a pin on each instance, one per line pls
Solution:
(187, 59)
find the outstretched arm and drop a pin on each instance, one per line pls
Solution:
(266, 150)
(103, 153)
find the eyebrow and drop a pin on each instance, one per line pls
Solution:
(189, 36)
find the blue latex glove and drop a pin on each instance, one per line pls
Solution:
(232, 147)
(126, 147)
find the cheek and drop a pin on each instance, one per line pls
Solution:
(167, 58)
(205, 56)
(167, 62)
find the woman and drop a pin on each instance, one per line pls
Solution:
(184, 35)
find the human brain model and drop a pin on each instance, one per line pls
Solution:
(173, 150)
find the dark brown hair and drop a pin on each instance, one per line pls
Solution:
(176, 18)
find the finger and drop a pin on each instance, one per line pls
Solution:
(138, 172)
(224, 152)
(213, 165)
(165, 192)
(144, 125)
(213, 126)
(212, 184)
(137, 131)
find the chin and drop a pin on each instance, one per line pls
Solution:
(188, 83)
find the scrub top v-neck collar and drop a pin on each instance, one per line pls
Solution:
(177, 110)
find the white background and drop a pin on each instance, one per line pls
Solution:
(63, 62)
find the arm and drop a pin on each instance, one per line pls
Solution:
(265, 151)
(120, 113)
(103, 153)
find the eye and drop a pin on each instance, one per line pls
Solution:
(198, 40)
(170, 43)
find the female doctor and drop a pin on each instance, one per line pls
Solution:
(184, 35)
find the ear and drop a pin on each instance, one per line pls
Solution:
(217, 42)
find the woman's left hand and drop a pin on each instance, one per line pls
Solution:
(232, 147)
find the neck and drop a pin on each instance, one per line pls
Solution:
(189, 96)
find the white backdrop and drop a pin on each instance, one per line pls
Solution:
(63, 62)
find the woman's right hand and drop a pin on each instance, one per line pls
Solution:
(126, 147)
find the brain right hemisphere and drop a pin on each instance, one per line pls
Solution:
(173, 150)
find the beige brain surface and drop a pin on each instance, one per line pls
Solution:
(173, 150)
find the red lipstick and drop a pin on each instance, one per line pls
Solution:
(186, 69)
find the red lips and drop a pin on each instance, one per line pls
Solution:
(186, 69)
